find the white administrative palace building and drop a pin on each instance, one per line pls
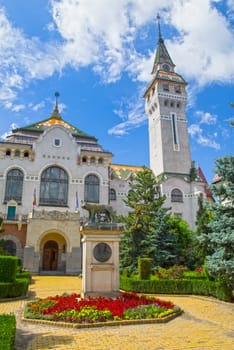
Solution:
(55, 178)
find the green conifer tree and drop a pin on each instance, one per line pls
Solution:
(203, 218)
(145, 233)
(220, 261)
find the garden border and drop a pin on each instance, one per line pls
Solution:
(107, 323)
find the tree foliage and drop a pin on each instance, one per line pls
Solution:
(145, 202)
(183, 241)
(203, 218)
(220, 238)
(151, 231)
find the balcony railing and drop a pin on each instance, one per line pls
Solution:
(16, 218)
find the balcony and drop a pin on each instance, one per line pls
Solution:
(14, 218)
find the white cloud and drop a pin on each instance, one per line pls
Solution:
(18, 108)
(197, 133)
(201, 131)
(21, 60)
(12, 127)
(206, 117)
(132, 115)
(205, 42)
(37, 106)
(230, 4)
(102, 34)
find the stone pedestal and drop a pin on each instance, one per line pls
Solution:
(100, 263)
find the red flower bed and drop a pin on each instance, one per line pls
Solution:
(72, 308)
(115, 306)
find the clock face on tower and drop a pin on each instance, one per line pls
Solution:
(102, 252)
(166, 67)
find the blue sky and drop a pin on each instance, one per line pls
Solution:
(99, 53)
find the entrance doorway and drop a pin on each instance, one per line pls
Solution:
(50, 256)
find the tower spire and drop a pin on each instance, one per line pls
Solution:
(55, 113)
(159, 28)
(162, 58)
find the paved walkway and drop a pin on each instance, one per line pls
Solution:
(207, 324)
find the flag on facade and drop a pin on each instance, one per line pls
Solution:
(77, 201)
(34, 200)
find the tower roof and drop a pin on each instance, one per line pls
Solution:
(162, 55)
(208, 192)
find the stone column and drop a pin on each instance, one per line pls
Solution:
(31, 259)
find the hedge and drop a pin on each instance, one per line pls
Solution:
(7, 331)
(176, 286)
(24, 274)
(14, 289)
(8, 268)
(145, 268)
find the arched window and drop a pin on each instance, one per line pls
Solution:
(54, 187)
(100, 161)
(10, 247)
(91, 193)
(112, 194)
(8, 152)
(176, 195)
(14, 185)
(17, 153)
(26, 154)
(92, 160)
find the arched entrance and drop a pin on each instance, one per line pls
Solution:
(50, 256)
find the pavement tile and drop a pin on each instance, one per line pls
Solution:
(207, 324)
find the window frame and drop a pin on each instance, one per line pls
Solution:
(14, 185)
(92, 188)
(54, 181)
(177, 196)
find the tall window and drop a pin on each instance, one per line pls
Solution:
(175, 132)
(54, 187)
(91, 193)
(176, 195)
(14, 185)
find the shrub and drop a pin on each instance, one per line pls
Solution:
(7, 331)
(14, 289)
(145, 268)
(176, 286)
(175, 271)
(8, 267)
(24, 274)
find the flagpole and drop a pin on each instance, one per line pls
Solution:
(34, 201)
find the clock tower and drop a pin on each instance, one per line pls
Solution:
(170, 159)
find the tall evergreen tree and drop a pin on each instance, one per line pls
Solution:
(203, 218)
(164, 240)
(145, 224)
(183, 242)
(220, 262)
